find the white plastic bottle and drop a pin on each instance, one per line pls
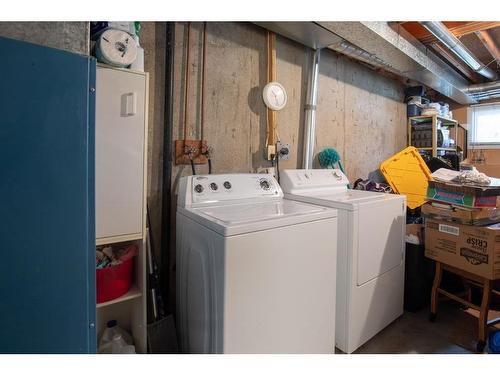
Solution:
(117, 344)
(112, 332)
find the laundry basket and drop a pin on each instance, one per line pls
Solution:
(115, 281)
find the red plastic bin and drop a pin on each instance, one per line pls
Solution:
(113, 282)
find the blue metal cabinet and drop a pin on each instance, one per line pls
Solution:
(47, 257)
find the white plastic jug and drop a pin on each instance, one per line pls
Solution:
(114, 339)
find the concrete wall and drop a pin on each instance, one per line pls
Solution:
(360, 112)
(70, 36)
(153, 40)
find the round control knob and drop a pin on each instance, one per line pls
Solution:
(213, 186)
(198, 188)
(264, 184)
(227, 185)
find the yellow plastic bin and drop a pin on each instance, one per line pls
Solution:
(407, 174)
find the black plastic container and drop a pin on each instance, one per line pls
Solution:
(413, 110)
(415, 91)
(419, 275)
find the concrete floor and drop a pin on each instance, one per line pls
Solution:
(453, 332)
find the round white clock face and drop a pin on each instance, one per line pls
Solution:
(274, 96)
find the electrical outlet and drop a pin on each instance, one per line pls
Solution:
(283, 151)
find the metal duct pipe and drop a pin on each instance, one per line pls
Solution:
(310, 111)
(357, 53)
(482, 87)
(486, 94)
(492, 96)
(441, 32)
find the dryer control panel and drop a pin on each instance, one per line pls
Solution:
(303, 180)
(213, 188)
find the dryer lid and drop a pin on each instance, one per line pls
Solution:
(347, 200)
(348, 196)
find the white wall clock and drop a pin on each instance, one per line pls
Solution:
(274, 95)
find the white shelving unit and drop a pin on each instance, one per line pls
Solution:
(121, 149)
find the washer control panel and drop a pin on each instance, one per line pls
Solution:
(225, 187)
(313, 179)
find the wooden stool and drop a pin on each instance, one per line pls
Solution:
(469, 279)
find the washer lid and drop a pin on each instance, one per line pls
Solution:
(251, 217)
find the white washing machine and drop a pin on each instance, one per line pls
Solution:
(255, 272)
(370, 251)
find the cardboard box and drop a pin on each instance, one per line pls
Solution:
(470, 248)
(463, 195)
(461, 215)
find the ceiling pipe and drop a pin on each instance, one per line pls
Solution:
(485, 94)
(453, 60)
(489, 43)
(357, 53)
(482, 87)
(441, 32)
(310, 110)
(491, 96)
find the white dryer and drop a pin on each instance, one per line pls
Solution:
(370, 251)
(255, 272)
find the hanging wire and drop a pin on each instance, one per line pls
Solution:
(204, 53)
(207, 149)
(269, 73)
(192, 166)
(187, 150)
(277, 157)
(186, 80)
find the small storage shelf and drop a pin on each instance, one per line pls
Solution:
(134, 292)
(121, 161)
(433, 120)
